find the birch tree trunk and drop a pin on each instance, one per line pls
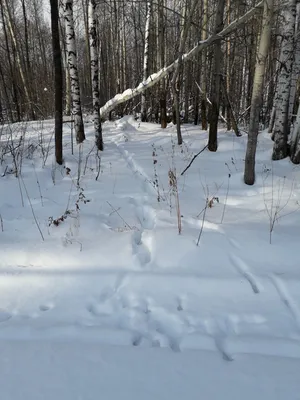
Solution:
(58, 77)
(282, 120)
(64, 52)
(68, 99)
(93, 41)
(226, 88)
(295, 141)
(161, 63)
(296, 65)
(216, 81)
(72, 61)
(258, 86)
(146, 61)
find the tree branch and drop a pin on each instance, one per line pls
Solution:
(192, 160)
(128, 94)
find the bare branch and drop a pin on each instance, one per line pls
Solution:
(128, 94)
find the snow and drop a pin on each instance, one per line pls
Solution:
(114, 302)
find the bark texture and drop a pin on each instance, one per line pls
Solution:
(93, 41)
(58, 79)
(216, 82)
(73, 67)
(258, 86)
(146, 61)
(282, 119)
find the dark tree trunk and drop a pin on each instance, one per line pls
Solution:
(215, 100)
(58, 78)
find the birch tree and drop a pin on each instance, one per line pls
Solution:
(282, 119)
(295, 140)
(295, 137)
(146, 61)
(161, 63)
(161, 74)
(93, 41)
(296, 65)
(258, 85)
(72, 61)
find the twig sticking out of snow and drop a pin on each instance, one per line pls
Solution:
(32, 210)
(193, 159)
(116, 211)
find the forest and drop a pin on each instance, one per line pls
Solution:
(149, 199)
(231, 61)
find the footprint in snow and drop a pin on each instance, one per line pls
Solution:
(46, 307)
(4, 316)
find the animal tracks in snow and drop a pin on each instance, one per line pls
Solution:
(149, 323)
(145, 214)
(46, 307)
(176, 326)
(287, 299)
(142, 240)
(4, 316)
(244, 270)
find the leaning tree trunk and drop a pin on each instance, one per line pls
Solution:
(216, 81)
(257, 91)
(95, 73)
(160, 75)
(282, 120)
(58, 77)
(72, 61)
(146, 61)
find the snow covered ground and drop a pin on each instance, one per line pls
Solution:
(114, 302)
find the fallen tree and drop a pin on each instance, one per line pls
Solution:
(156, 77)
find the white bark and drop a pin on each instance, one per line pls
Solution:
(282, 120)
(155, 78)
(93, 41)
(72, 61)
(257, 91)
(162, 108)
(296, 65)
(295, 140)
(146, 60)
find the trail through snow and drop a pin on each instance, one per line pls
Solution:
(116, 280)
